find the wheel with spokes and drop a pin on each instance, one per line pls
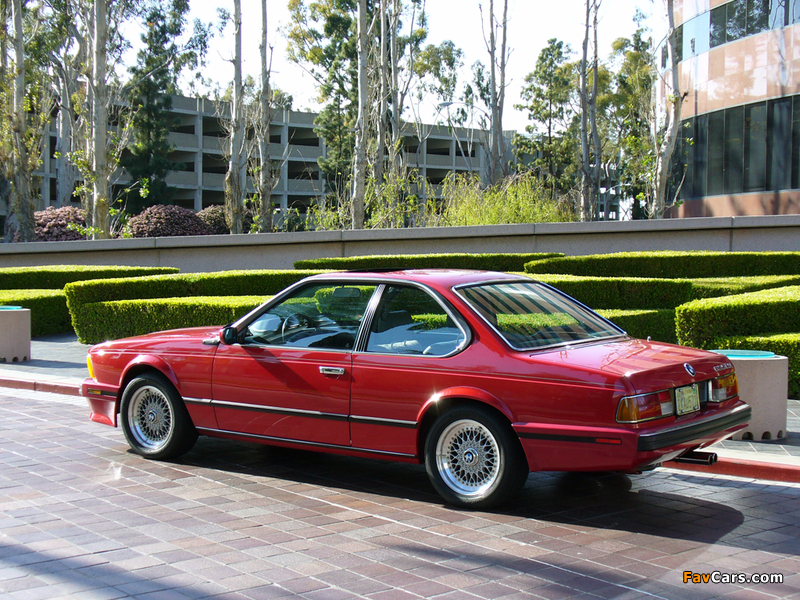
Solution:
(154, 418)
(474, 459)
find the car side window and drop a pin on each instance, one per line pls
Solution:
(410, 321)
(314, 316)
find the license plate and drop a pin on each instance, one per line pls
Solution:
(687, 399)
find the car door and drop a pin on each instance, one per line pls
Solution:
(408, 357)
(289, 376)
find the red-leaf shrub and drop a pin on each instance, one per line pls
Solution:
(214, 217)
(167, 221)
(51, 224)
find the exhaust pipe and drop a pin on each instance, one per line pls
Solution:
(697, 458)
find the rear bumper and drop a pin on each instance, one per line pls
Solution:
(103, 401)
(550, 447)
(681, 434)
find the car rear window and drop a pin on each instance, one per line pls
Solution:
(531, 316)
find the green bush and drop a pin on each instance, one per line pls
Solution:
(57, 276)
(80, 295)
(623, 293)
(522, 198)
(784, 344)
(689, 265)
(656, 324)
(48, 308)
(700, 322)
(713, 287)
(483, 262)
(126, 318)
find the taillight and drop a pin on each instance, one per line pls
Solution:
(724, 388)
(645, 407)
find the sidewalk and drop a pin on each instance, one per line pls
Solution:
(58, 365)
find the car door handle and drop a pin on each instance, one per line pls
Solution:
(331, 371)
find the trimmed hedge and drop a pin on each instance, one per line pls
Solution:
(57, 276)
(784, 344)
(624, 293)
(700, 322)
(714, 287)
(48, 308)
(83, 295)
(126, 318)
(688, 265)
(656, 324)
(482, 262)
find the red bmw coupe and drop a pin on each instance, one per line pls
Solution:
(482, 376)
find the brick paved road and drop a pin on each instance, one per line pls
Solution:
(81, 517)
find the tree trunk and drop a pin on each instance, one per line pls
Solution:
(66, 172)
(596, 145)
(23, 207)
(586, 188)
(360, 150)
(383, 68)
(497, 82)
(262, 130)
(673, 120)
(100, 186)
(234, 184)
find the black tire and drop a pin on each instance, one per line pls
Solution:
(474, 458)
(154, 418)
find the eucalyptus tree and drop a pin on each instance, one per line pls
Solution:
(235, 178)
(154, 79)
(23, 205)
(323, 37)
(665, 143)
(26, 107)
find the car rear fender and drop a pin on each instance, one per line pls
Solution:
(451, 397)
(148, 362)
(468, 394)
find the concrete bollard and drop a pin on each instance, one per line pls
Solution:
(15, 334)
(764, 385)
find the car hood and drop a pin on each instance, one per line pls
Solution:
(162, 339)
(642, 366)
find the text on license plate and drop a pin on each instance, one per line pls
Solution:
(687, 399)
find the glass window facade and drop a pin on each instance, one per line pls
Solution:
(749, 148)
(736, 20)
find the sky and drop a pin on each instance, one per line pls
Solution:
(531, 24)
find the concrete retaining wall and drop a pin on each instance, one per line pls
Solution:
(280, 250)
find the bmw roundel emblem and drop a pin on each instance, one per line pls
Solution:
(689, 369)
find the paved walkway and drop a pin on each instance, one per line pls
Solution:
(83, 518)
(58, 364)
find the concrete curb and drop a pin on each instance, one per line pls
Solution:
(53, 385)
(751, 465)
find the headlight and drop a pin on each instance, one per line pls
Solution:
(645, 407)
(724, 388)
(90, 366)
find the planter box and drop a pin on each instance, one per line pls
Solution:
(764, 385)
(15, 334)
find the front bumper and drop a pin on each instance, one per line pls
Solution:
(103, 401)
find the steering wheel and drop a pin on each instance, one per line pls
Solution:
(294, 321)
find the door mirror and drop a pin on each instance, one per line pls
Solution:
(229, 336)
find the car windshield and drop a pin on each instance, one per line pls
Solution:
(531, 316)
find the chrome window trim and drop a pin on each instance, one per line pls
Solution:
(451, 312)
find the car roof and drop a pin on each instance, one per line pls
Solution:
(441, 278)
